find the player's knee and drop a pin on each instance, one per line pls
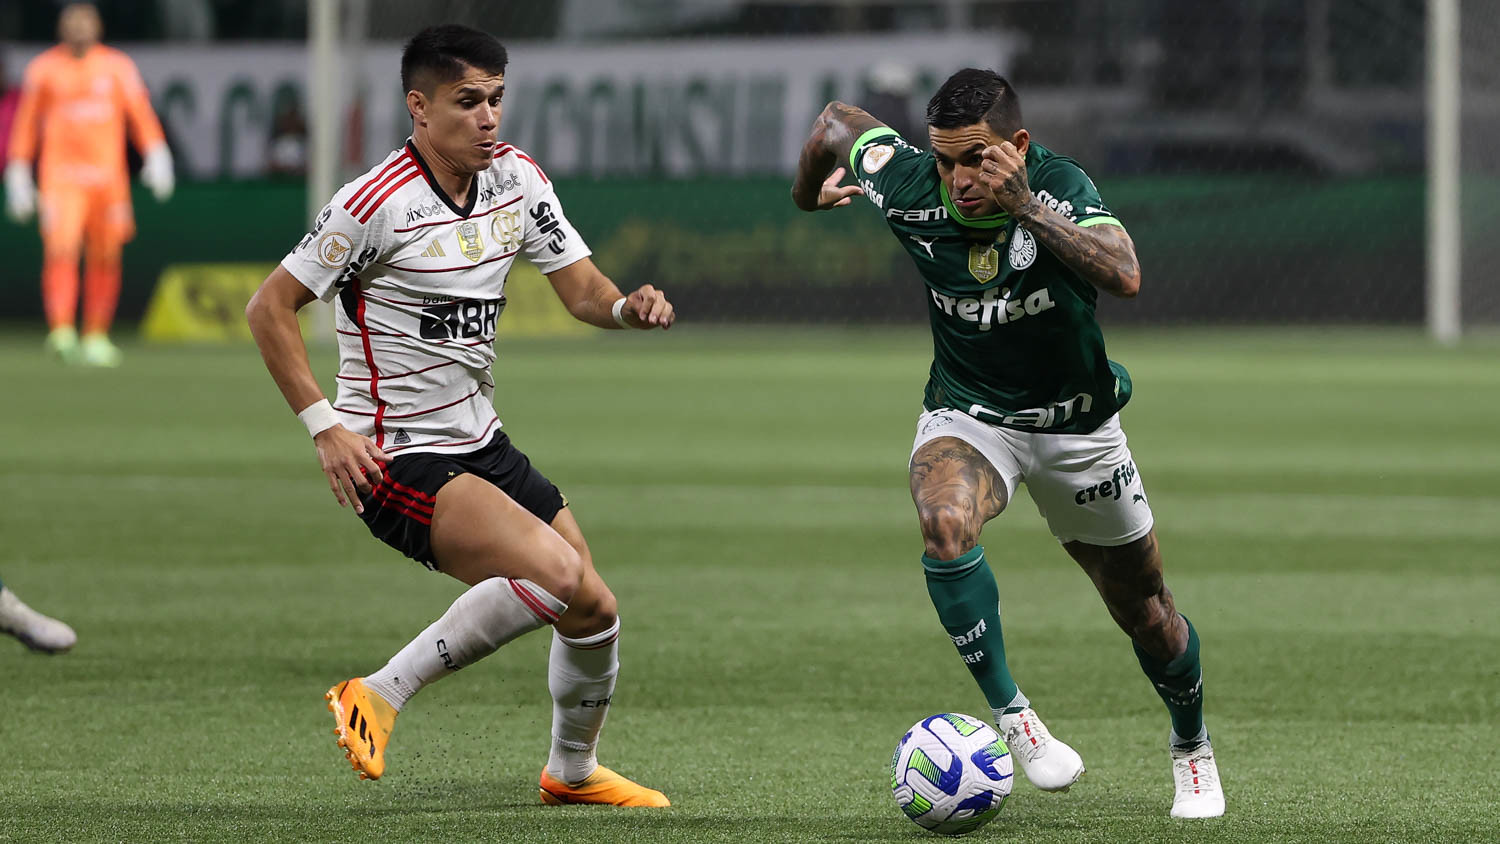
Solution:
(947, 531)
(562, 571)
(595, 613)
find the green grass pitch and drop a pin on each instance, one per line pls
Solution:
(1328, 504)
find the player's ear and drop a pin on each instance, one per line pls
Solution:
(1021, 140)
(416, 103)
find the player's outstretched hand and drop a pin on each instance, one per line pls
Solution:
(352, 463)
(648, 308)
(1003, 174)
(831, 196)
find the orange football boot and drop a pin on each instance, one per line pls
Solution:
(603, 787)
(363, 721)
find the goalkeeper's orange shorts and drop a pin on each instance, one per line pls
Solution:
(73, 216)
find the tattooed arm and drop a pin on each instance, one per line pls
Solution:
(1103, 255)
(833, 134)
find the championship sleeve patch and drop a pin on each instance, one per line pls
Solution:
(875, 157)
(335, 250)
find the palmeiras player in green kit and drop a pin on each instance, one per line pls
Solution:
(1014, 243)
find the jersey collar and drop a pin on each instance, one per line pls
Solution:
(992, 221)
(461, 210)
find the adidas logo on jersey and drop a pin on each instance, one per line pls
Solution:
(401, 438)
(433, 250)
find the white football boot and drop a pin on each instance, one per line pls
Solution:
(36, 631)
(1196, 777)
(1047, 762)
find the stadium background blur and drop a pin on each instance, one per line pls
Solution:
(1322, 472)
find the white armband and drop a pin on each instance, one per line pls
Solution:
(318, 417)
(618, 312)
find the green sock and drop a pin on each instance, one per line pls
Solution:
(968, 605)
(1180, 685)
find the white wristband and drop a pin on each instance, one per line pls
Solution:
(318, 417)
(618, 312)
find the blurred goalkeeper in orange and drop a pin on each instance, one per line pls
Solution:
(76, 100)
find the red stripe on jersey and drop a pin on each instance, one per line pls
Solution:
(452, 269)
(359, 318)
(365, 218)
(385, 179)
(486, 433)
(524, 157)
(436, 409)
(380, 412)
(370, 333)
(459, 219)
(403, 157)
(533, 602)
(395, 334)
(398, 374)
(508, 149)
(404, 302)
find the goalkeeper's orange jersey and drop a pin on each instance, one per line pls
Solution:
(76, 109)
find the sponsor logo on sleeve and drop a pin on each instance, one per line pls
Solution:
(1061, 206)
(547, 224)
(316, 229)
(876, 157)
(335, 249)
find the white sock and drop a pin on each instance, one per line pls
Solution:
(487, 616)
(581, 675)
(1018, 703)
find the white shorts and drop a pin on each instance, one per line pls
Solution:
(1085, 485)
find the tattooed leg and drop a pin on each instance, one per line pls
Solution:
(956, 491)
(1129, 578)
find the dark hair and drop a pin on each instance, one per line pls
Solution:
(971, 96)
(438, 54)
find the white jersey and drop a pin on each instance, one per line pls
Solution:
(420, 284)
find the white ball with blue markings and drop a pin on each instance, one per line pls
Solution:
(951, 773)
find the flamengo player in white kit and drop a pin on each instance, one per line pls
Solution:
(416, 253)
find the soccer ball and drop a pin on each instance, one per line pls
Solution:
(951, 773)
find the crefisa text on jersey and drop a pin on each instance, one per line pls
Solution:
(995, 307)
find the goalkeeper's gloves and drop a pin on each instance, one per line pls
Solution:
(156, 172)
(20, 191)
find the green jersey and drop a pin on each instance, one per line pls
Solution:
(1014, 338)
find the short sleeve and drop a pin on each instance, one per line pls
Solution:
(1065, 188)
(548, 240)
(337, 249)
(884, 163)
